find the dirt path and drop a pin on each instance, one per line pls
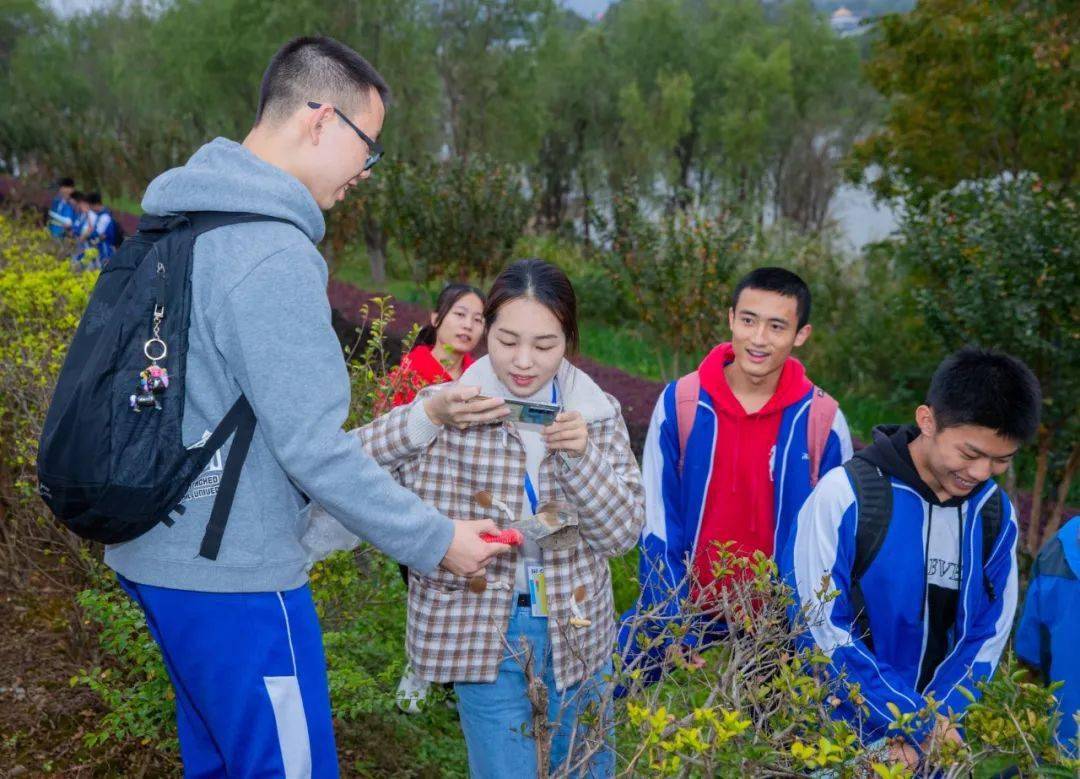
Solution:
(43, 717)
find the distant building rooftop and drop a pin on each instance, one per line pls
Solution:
(844, 21)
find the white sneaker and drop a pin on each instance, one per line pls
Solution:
(412, 691)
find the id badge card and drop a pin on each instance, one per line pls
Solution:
(537, 590)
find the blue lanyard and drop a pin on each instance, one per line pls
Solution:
(530, 493)
(530, 490)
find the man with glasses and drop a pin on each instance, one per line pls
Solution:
(239, 634)
(375, 149)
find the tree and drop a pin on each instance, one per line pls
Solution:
(61, 109)
(486, 58)
(698, 104)
(399, 36)
(563, 90)
(100, 114)
(975, 88)
(677, 276)
(19, 19)
(996, 264)
(458, 219)
(831, 106)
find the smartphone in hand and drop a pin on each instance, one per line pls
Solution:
(530, 412)
(533, 412)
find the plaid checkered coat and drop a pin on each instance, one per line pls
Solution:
(456, 634)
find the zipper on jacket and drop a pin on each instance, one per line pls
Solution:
(708, 480)
(959, 577)
(926, 560)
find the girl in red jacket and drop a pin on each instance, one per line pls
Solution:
(442, 352)
(443, 349)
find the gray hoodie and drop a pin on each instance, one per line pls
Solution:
(260, 324)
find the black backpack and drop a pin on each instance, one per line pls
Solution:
(111, 461)
(873, 496)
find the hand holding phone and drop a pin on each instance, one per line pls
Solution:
(528, 412)
(568, 433)
(463, 407)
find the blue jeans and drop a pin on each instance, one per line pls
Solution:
(497, 716)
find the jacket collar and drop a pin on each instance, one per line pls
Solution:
(578, 392)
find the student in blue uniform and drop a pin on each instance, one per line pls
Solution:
(81, 227)
(918, 543)
(103, 237)
(1049, 632)
(733, 451)
(62, 210)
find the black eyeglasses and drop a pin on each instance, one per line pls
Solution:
(375, 149)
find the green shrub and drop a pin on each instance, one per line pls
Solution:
(753, 706)
(996, 264)
(455, 220)
(1014, 723)
(676, 277)
(136, 690)
(41, 301)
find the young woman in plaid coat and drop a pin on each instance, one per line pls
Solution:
(441, 353)
(548, 609)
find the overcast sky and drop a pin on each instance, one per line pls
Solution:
(587, 8)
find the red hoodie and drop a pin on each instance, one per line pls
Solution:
(740, 497)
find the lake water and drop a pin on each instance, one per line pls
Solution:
(859, 219)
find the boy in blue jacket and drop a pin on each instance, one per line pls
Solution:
(61, 209)
(916, 545)
(733, 450)
(103, 235)
(1049, 632)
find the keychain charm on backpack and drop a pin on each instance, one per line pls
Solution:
(152, 382)
(154, 379)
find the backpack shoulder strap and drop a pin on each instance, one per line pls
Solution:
(687, 391)
(239, 420)
(205, 221)
(823, 408)
(200, 221)
(991, 529)
(873, 496)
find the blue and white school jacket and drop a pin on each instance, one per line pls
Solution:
(675, 503)
(80, 221)
(1049, 632)
(104, 234)
(895, 590)
(61, 215)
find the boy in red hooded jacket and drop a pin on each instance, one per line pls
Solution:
(733, 451)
